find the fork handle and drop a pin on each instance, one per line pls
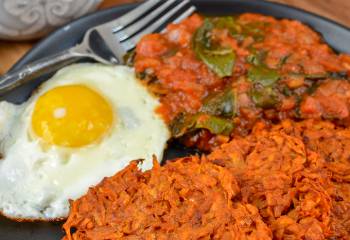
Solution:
(37, 68)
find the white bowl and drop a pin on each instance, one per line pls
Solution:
(30, 19)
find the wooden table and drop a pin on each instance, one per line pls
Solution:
(337, 10)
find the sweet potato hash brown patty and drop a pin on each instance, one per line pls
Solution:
(333, 145)
(297, 175)
(293, 177)
(186, 199)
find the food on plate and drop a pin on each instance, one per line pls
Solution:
(283, 180)
(297, 175)
(87, 122)
(333, 145)
(281, 176)
(267, 100)
(270, 102)
(217, 76)
(186, 199)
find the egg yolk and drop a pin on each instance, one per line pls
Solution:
(71, 116)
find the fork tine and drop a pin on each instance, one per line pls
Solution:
(131, 43)
(184, 15)
(132, 15)
(127, 32)
(112, 43)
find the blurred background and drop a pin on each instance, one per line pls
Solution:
(11, 51)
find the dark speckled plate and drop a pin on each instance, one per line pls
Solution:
(334, 34)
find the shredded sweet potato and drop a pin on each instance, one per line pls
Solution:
(186, 199)
(288, 181)
(285, 182)
(333, 145)
(297, 175)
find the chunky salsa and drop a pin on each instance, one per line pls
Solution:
(218, 76)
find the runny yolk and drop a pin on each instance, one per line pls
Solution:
(71, 116)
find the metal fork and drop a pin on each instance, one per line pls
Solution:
(106, 43)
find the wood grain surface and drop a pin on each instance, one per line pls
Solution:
(337, 10)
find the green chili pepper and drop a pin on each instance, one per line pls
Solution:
(264, 97)
(220, 104)
(187, 123)
(219, 59)
(263, 75)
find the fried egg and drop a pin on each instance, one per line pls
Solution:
(85, 123)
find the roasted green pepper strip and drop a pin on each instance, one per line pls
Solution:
(220, 104)
(264, 97)
(257, 58)
(188, 123)
(228, 23)
(263, 75)
(219, 59)
(255, 30)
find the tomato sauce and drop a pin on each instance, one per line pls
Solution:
(276, 69)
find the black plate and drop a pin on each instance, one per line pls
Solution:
(337, 36)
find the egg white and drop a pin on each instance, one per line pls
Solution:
(37, 182)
